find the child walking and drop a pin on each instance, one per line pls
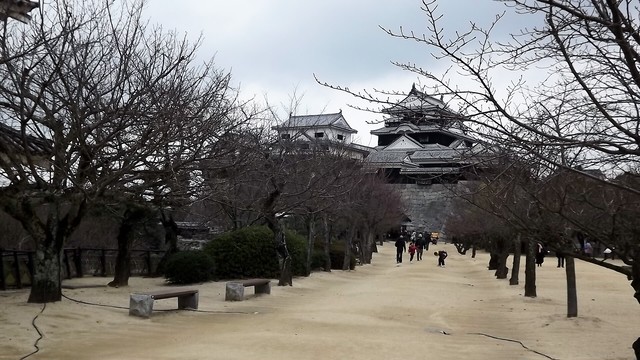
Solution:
(412, 251)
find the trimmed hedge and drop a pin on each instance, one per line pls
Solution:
(250, 252)
(188, 267)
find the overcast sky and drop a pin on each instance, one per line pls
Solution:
(273, 48)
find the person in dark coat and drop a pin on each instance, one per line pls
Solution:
(401, 246)
(540, 254)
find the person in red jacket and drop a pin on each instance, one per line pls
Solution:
(412, 251)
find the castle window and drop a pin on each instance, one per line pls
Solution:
(319, 135)
(285, 136)
(340, 137)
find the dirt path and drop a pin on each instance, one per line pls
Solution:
(379, 311)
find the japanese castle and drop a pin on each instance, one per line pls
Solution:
(423, 142)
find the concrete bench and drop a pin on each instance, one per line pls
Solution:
(141, 304)
(235, 289)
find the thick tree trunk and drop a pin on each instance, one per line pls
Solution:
(46, 285)
(515, 268)
(572, 292)
(494, 261)
(327, 245)
(530, 270)
(170, 240)
(503, 270)
(126, 235)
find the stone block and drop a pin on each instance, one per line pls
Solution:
(140, 305)
(234, 292)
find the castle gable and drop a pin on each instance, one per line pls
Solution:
(404, 143)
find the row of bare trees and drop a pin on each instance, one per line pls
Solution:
(558, 100)
(130, 124)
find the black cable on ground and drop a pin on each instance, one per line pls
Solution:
(515, 341)
(40, 335)
(223, 312)
(94, 304)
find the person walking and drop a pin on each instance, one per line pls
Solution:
(401, 246)
(560, 257)
(412, 251)
(588, 249)
(540, 253)
(420, 245)
(441, 256)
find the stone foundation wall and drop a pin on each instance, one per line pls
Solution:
(428, 206)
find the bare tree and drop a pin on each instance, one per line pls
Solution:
(125, 111)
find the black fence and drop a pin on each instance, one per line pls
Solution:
(16, 267)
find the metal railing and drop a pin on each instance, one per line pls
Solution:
(16, 266)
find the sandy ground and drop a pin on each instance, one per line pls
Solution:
(378, 311)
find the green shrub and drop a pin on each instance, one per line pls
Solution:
(297, 246)
(188, 267)
(317, 259)
(250, 252)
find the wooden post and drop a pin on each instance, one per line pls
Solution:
(66, 263)
(77, 261)
(30, 266)
(103, 263)
(148, 259)
(16, 269)
(3, 281)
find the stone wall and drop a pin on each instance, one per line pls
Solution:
(428, 206)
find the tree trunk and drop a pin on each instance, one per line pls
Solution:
(530, 270)
(311, 236)
(348, 241)
(366, 245)
(126, 235)
(503, 270)
(635, 274)
(572, 292)
(46, 285)
(286, 273)
(494, 261)
(515, 269)
(170, 240)
(327, 244)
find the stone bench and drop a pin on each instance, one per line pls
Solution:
(235, 289)
(141, 304)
